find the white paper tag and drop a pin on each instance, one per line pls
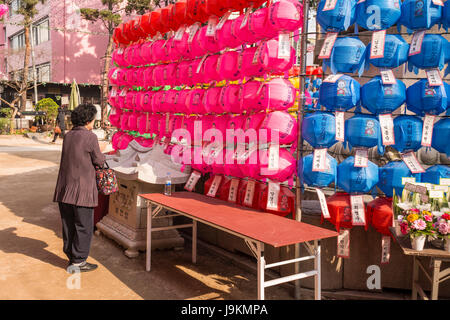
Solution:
(214, 186)
(332, 78)
(438, 2)
(444, 182)
(244, 21)
(113, 92)
(329, 5)
(328, 44)
(274, 157)
(406, 180)
(436, 194)
(223, 20)
(272, 197)
(358, 211)
(387, 129)
(249, 193)
(323, 203)
(343, 243)
(180, 33)
(115, 73)
(192, 31)
(340, 126)
(385, 249)
(388, 77)
(361, 158)
(427, 130)
(434, 78)
(320, 160)
(284, 46)
(412, 163)
(120, 50)
(211, 28)
(377, 45)
(232, 195)
(192, 181)
(124, 92)
(416, 43)
(440, 188)
(201, 63)
(257, 54)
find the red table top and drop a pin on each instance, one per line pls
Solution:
(261, 226)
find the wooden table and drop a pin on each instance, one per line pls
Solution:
(255, 227)
(437, 256)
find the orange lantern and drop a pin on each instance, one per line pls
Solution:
(380, 214)
(257, 194)
(285, 205)
(340, 209)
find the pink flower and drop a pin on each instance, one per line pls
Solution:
(428, 218)
(444, 228)
(419, 224)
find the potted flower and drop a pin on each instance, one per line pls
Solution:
(418, 224)
(442, 228)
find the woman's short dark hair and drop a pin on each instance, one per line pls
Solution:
(83, 114)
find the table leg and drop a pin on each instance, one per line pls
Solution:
(149, 237)
(317, 277)
(194, 241)
(435, 283)
(261, 268)
(415, 278)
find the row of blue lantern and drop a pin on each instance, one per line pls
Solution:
(339, 15)
(357, 180)
(363, 130)
(378, 98)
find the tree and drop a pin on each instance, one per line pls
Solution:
(111, 17)
(50, 108)
(27, 9)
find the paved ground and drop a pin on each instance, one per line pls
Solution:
(32, 264)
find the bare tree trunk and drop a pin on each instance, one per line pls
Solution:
(105, 80)
(26, 62)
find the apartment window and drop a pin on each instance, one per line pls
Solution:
(17, 41)
(14, 6)
(41, 31)
(43, 72)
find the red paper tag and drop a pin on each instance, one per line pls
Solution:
(377, 45)
(416, 43)
(387, 129)
(412, 163)
(427, 130)
(323, 204)
(192, 181)
(325, 51)
(343, 243)
(361, 158)
(358, 211)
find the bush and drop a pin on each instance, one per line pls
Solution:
(6, 112)
(5, 124)
(50, 107)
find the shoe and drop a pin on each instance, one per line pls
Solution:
(86, 267)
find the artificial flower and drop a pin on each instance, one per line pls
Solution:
(419, 224)
(412, 217)
(428, 218)
(404, 228)
(444, 228)
(400, 218)
(446, 216)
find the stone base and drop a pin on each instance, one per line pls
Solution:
(134, 240)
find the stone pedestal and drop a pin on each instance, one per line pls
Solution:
(126, 221)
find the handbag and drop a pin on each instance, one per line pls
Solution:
(57, 130)
(106, 180)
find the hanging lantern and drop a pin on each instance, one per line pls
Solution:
(341, 95)
(391, 177)
(435, 173)
(340, 209)
(339, 18)
(408, 133)
(348, 56)
(363, 131)
(379, 98)
(446, 15)
(353, 179)
(434, 53)
(380, 215)
(285, 204)
(378, 14)
(319, 129)
(441, 134)
(419, 14)
(318, 178)
(396, 51)
(421, 98)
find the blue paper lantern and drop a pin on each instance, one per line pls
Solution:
(353, 179)
(408, 133)
(435, 173)
(348, 56)
(390, 177)
(396, 51)
(319, 129)
(419, 14)
(435, 53)
(363, 130)
(339, 18)
(317, 178)
(421, 98)
(378, 14)
(446, 15)
(379, 98)
(441, 136)
(341, 95)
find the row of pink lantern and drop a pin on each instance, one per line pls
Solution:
(278, 122)
(253, 96)
(231, 66)
(263, 24)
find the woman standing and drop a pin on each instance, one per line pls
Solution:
(76, 188)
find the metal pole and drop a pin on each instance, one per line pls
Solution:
(298, 213)
(34, 65)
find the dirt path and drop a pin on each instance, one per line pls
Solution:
(32, 264)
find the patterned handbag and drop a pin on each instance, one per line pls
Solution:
(106, 180)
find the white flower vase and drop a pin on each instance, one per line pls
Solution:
(418, 243)
(447, 245)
